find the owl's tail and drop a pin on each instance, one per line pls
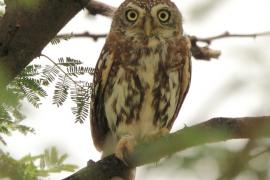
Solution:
(108, 149)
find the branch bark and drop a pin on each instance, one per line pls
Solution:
(95, 7)
(95, 37)
(26, 29)
(213, 130)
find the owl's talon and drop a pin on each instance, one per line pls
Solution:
(164, 131)
(125, 146)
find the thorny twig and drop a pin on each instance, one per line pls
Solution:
(95, 37)
(227, 34)
(206, 53)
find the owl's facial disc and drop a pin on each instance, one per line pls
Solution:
(148, 23)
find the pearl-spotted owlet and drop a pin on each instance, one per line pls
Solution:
(142, 75)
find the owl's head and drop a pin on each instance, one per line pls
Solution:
(146, 20)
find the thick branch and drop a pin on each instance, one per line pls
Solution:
(26, 29)
(213, 130)
(95, 7)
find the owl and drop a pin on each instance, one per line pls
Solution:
(142, 75)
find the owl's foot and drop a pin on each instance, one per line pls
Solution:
(163, 132)
(125, 146)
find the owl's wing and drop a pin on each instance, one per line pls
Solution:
(98, 121)
(184, 74)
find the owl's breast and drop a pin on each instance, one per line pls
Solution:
(141, 97)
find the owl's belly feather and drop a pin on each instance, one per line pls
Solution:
(140, 102)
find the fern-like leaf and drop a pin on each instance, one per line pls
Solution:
(49, 74)
(56, 40)
(68, 62)
(33, 84)
(81, 96)
(61, 90)
(54, 162)
(31, 96)
(31, 70)
(80, 70)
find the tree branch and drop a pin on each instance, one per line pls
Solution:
(206, 53)
(198, 52)
(213, 130)
(227, 34)
(95, 37)
(26, 29)
(95, 7)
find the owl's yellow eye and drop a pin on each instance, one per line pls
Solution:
(131, 15)
(164, 15)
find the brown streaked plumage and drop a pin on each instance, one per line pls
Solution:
(142, 75)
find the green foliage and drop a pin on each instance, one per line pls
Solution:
(32, 83)
(80, 70)
(31, 167)
(65, 75)
(61, 90)
(81, 95)
(24, 86)
(80, 91)
(49, 74)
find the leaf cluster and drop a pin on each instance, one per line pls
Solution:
(31, 85)
(24, 86)
(31, 167)
(69, 82)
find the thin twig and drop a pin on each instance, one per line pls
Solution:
(227, 34)
(95, 37)
(206, 53)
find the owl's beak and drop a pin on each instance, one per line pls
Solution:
(147, 26)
